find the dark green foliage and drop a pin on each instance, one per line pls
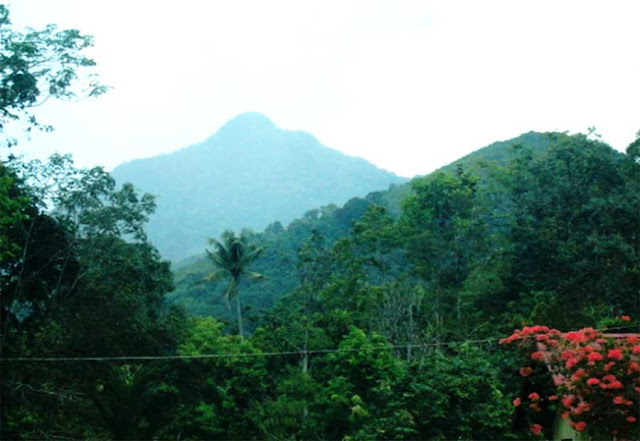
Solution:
(444, 229)
(217, 393)
(131, 402)
(15, 203)
(38, 65)
(291, 413)
(454, 394)
(277, 263)
(75, 287)
(575, 234)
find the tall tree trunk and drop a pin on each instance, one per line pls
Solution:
(239, 314)
(305, 354)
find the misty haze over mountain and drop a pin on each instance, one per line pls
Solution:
(249, 174)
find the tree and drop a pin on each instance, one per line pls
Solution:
(457, 393)
(575, 233)
(377, 236)
(231, 257)
(444, 231)
(38, 65)
(78, 279)
(217, 393)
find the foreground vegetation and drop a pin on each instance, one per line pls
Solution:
(390, 333)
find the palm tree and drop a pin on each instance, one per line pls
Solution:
(231, 256)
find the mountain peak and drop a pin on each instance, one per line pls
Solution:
(249, 174)
(248, 122)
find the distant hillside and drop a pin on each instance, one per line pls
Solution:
(500, 151)
(249, 174)
(331, 222)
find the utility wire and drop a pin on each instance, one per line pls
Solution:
(261, 354)
(240, 354)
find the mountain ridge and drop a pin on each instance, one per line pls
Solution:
(248, 174)
(331, 223)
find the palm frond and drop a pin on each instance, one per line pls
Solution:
(216, 276)
(254, 276)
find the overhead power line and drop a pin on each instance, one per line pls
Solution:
(265, 354)
(241, 354)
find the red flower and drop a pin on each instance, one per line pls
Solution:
(625, 318)
(590, 333)
(631, 419)
(517, 402)
(634, 366)
(583, 406)
(619, 400)
(615, 385)
(538, 356)
(552, 397)
(592, 381)
(580, 426)
(636, 349)
(566, 354)
(536, 429)
(533, 396)
(566, 401)
(615, 354)
(608, 366)
(578, 373)
(593, 357)
(575, 336)
(525, 371)
(571, 362)
(515, 336)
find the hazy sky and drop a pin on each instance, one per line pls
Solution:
(408, 85)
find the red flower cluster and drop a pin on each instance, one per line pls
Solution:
(579, 426)
(536, 429)
(597, 377)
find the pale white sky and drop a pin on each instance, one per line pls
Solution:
(407, 85)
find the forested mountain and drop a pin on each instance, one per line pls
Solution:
(329, 223)
(500, 152)
(249, 174)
